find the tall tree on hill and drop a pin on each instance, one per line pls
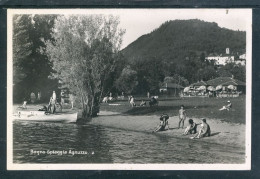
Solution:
(31, 67)
(84, 54)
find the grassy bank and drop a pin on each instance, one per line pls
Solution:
(195, 107)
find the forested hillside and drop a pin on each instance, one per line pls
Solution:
(178, 49)
(174, 51)
(174, 40)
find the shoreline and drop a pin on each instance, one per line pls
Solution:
(223, 133)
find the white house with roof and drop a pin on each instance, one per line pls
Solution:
(241, 60)
(171, 89)
(221, 60)
(243, 56)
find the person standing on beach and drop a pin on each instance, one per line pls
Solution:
(132, 101)
(54, 97)
(182, 116)
(33, 97)
(62, 97)
(52, 105)
(72, 100)
(39, 96)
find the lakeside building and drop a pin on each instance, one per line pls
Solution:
(225, 82)
(221, 60)
(171, 89)
(198, 84)
(242, 57)
(220, 87)
(241, 60)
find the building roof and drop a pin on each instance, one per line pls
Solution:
(171, 85)
(225, 81)
(200, 83)
(218, 56)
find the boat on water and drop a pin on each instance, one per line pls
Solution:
(42, 116)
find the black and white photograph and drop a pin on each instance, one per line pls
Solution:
(129, 89)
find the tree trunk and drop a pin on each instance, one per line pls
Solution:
(83, 115)
(90, 109)
(95, 105)
(90, 105)
(84, 107)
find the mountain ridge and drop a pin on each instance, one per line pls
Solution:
(174, 40)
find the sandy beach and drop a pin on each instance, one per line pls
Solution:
(223, 133)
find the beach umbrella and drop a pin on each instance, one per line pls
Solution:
(219, 87)
(232, 87)
(202, 88)
(186, 89)
(211, 88)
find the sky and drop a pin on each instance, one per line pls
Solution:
(141, 22)
(138, 22)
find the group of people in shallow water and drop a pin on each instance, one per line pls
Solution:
(192, 128)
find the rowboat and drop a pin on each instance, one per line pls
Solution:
(42, 116)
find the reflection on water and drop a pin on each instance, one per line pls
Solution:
(57, 142)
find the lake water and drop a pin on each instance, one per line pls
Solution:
(56, 142)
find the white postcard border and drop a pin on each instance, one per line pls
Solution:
(13, 166)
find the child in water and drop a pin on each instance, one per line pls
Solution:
(182, 116)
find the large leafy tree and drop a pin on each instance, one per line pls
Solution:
(31, 67)
(177, 79)
(127, 81)
(84, 54)
(150, 73)
(22, 49)
(238, 71)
